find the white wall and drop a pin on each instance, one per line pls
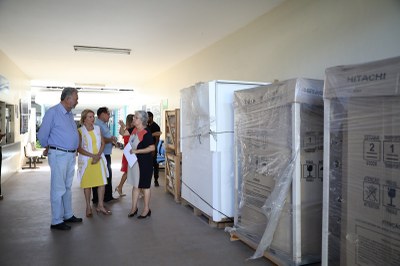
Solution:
(299, 38)
(19, 89)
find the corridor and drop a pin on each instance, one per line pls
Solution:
(173, 235)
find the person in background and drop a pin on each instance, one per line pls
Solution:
(1, 159)
(139, 175)
(59, 135)
(156, 133)
(103, 116)
(125, 131)
(92, 164)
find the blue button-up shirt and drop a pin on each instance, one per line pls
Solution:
(59, 129)
(106, 133)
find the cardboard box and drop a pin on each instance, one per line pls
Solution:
(279, 156)
(362, 164)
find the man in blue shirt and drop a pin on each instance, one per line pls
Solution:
(103, 116)
(59, 135)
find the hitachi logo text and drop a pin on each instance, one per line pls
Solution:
(366, 78)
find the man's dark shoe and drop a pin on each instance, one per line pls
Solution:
(61, 226)
(156, 183)
(111, 199)
(73, 219)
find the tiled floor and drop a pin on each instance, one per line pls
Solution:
(173, 235)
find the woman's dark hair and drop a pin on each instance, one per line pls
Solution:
(129, 119)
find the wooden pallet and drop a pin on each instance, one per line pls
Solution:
(271, 257)
(196, 211)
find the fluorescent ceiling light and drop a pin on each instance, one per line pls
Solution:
(93, 85)
(80, 48)
(90, 89)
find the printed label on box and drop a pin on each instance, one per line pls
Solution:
(376, 248)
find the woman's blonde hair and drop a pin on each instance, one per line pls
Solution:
(84, 115)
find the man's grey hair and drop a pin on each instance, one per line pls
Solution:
(143, 117)
(68, 91)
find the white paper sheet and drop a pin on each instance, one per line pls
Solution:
(131, 158)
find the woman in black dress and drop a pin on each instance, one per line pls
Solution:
(140, 174)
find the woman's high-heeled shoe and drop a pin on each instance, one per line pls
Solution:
(104, 211)
(119, 192)
(132, 213)
(142, 217)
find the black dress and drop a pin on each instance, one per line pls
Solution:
(145, 160)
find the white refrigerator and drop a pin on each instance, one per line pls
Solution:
(208, 177)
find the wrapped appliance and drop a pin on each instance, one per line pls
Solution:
(207, 147)
(361, 220)
(279, 159)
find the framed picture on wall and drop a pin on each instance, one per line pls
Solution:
(16, 111)
(4, 84)
(24, 111)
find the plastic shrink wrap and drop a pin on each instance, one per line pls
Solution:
(361, 220)
(207, 147)
(278, 170)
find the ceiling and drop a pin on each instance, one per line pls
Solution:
(38, 36)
